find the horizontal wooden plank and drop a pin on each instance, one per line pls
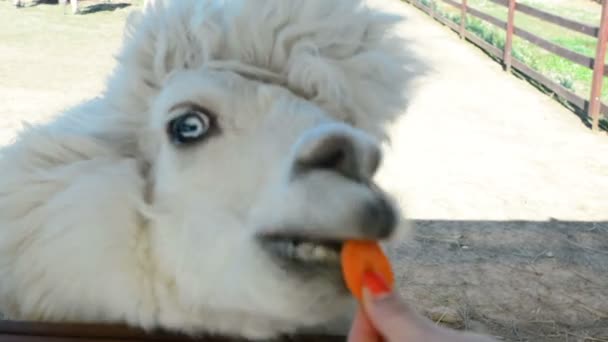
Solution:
(86, 331)
(447, 22)
(421, 7)
(21, 338)
(504, 3)
(573, 25)
(484, 16)
(437, 16)
(550, 84)
(491, 49)
(479, 14)
(575, 57)
(452, 3)
(77, 330)
(570, 55)
(571, 97)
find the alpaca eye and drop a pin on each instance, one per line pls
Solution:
(189, 127)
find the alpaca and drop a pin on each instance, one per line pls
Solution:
(208, 188)
(73, 3)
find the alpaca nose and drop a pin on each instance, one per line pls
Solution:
(341, 149)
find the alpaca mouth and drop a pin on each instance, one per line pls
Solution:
(304, 250)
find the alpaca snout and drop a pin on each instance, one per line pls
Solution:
(329, 192)
(378, 218)
(338, 148)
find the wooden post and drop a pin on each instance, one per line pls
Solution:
(509, 40)
(598, 69)
(463, 18)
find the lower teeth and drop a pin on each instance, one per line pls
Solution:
(310, 252)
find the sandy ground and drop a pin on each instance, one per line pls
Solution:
(507, 189)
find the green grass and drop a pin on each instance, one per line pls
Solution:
(50, 61)
(42, 47)
(569, 74)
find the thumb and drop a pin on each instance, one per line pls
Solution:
(397, 321)
(390, 315)
(362, 329)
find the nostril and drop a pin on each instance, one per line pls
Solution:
(334, 153)
(337, 148)
(331, 160)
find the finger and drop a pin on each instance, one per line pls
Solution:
(362, 329)
(394, 320)
(389, 315)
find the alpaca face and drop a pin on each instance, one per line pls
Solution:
(253, 191)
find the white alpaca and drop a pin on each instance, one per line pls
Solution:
(74, 4)
(208, 188)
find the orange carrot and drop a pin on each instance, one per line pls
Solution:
(359, 257)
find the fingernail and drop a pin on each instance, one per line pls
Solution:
(376, 284)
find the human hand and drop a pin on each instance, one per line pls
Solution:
(385, 317)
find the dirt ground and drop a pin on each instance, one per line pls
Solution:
(507, 189)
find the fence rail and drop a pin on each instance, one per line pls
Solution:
(24, 331)
(592, 106)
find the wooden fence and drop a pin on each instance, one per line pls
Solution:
(593, 105)
(13, 331)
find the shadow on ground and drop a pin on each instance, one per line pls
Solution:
(90, 9)
(520, 280)
(103, 7)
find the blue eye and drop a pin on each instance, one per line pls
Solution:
(189, 127)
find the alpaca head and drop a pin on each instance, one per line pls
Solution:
(261, 122)
(253, 191)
